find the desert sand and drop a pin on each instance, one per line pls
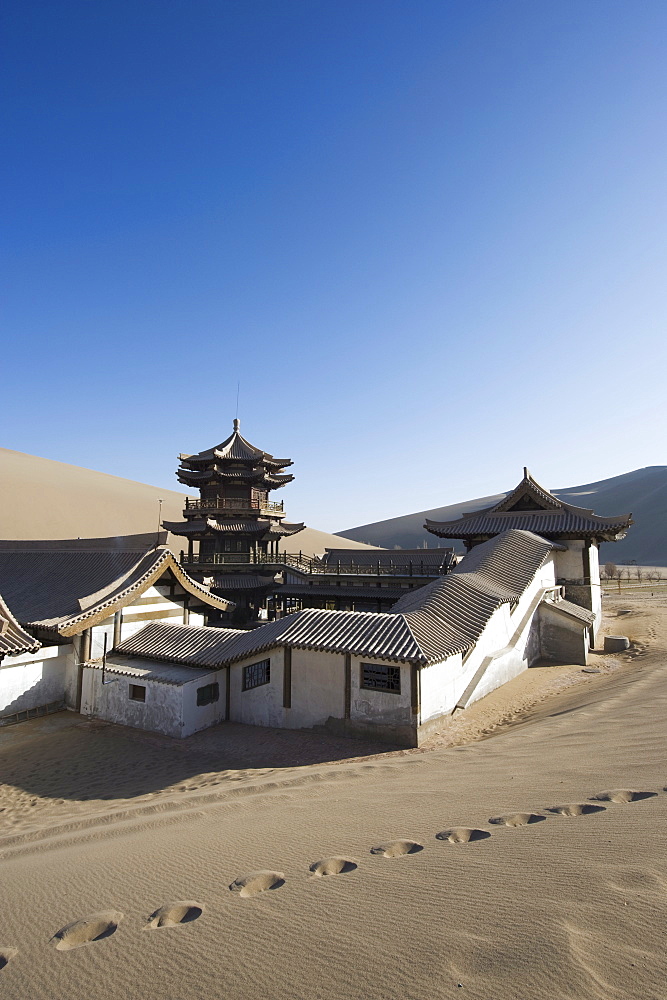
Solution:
(522, 854)
(43, 499)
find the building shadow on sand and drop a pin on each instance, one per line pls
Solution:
(67, 757)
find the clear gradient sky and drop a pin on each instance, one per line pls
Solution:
(428, 238)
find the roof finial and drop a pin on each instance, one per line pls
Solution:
(237, 424)
(526, 472)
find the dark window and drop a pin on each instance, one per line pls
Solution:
(256, 674)
(377, 678)
(208, 694)
(137, 692)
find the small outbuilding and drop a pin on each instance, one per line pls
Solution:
(70, 597)
(165, 698)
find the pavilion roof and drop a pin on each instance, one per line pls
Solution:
(13, 638)
(429, 558)
(530, 507)
(214, 473)
(237, 526)
(69, 585)
(236, 448)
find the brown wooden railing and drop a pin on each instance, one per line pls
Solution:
(215, 559)
(226, 503)
(313, 565)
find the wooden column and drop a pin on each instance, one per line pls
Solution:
(414, 692)
(348, 684)
(84, 654)
(186, 609)
(117, 627)
(287, 678)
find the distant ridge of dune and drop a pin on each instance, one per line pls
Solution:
(44, 499)
(642, 492)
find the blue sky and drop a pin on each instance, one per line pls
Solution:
(428, 239)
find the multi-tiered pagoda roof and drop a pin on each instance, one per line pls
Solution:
(234, 479)
(234, 460)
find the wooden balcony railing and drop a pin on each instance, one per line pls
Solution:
(313, 565)
(225, 503)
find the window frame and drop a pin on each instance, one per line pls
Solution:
(137, 687)
(380, 667)
(266, 664)
(214, 688)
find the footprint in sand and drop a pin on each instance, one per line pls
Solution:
(88, 929)
(576, 809)
(333, 866)
(6, 955)
(173, 915)
(462, 835)
(517, 819)
(397, 848)
(624, 795)
(250, 885)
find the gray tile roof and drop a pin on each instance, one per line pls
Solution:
(572, 611)
(427, 625)
(13, 638)
(433, 559)
(454, 610)
(529, 507)
(236, 448)
(150, 670)
(248, 526)
(68, 586)
(384, 636)
(228, 582)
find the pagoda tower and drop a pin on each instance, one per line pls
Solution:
(233, 530)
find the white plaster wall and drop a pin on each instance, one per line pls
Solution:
(261, 706)
(595, 564)
(72, 673)
(508, 645)
(520, 632)
(196, 717)
(165, 608)
(171, 612)
(34, 679)
(97, 634)
(441, 686)
(570, 564)
(596, 589)
(318, 688)
(161, 712)
(380, 707)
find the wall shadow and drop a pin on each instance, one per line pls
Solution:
(67, 757)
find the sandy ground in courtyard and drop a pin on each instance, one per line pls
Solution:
(117, 850)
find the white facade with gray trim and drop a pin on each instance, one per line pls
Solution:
(394, 677)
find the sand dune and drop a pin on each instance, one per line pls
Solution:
(107, 833)
(642, 492)
(41, 499)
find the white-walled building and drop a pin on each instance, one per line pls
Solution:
(67, 596)
(394, 676)
(578, 530)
